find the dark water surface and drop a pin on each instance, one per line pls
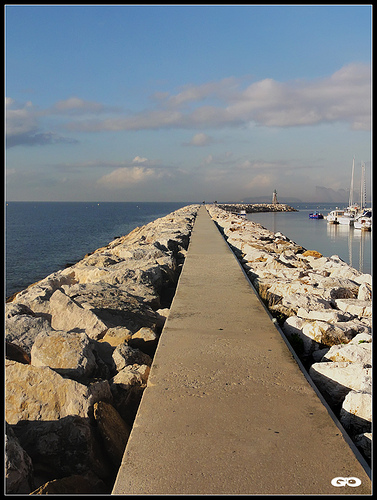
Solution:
(43, 237)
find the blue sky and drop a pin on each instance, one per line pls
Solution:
(186, 103)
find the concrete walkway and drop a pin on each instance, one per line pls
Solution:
(227, 409)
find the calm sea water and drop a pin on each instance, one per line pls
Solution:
(352, 245)
(43, 237)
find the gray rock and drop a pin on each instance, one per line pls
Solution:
(18, 465)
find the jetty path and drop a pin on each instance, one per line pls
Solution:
(227, 408)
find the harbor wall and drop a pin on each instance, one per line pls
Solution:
(80, 343)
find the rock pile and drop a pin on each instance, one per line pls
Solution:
(256, 207)
(324, 308)
(79, 346)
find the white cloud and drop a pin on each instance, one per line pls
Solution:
(199, 140)
(344, 96)
(127, 176)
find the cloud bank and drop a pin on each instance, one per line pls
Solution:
(345, 96)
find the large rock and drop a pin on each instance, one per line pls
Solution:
(355, 353)
(40, 394)
(331, 334)
(336, 379)
(127, 388)
(22, 325)
(356, 412)
(113, 429)
(302, 344)
(356, 307)
(37, 296)
(18, 465)
(66, 314)
(125, 355)
(63, 447)
(114, 305)
(145, 339)
(68, 353)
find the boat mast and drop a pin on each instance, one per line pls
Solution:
(363, 193)
(350, 201)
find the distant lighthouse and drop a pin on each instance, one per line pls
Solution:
(274, 197)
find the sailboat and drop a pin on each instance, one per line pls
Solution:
(364, 219)
(352, 210)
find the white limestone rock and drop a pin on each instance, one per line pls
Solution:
(302, 344)
(355, 353)
(356, 412)
(336, 379)
(356, 307)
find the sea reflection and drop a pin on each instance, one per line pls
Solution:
(357, 242)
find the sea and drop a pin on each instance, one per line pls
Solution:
(43, 237)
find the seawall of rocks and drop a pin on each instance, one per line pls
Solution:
(79, 345)
(323, 307)
(250, 208)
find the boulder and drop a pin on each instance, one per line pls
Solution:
(356, 307)
(330, 334)
(113, 429)
(355, 353)
(356, 412)
(336, 379)
(127, 388)
(146, 340)
(125, 355)
(22, 325)
(114, 305)
(68, 353)
(18, 465)
(37, 296)
(39, 393)
(63, 447)
(66, 314)
(302, 344)
(116, 335)
(365, 292)
(16, 353)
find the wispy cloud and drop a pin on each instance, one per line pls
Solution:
(200, 140)
(344, 96)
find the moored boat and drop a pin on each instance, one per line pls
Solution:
(332, 217)
(315, 215)
(349, 215)
(364, 220)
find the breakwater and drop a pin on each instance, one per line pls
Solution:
(79, 345)
(250, 208)
(324, 308)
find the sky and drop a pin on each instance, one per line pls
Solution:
(187, 102)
